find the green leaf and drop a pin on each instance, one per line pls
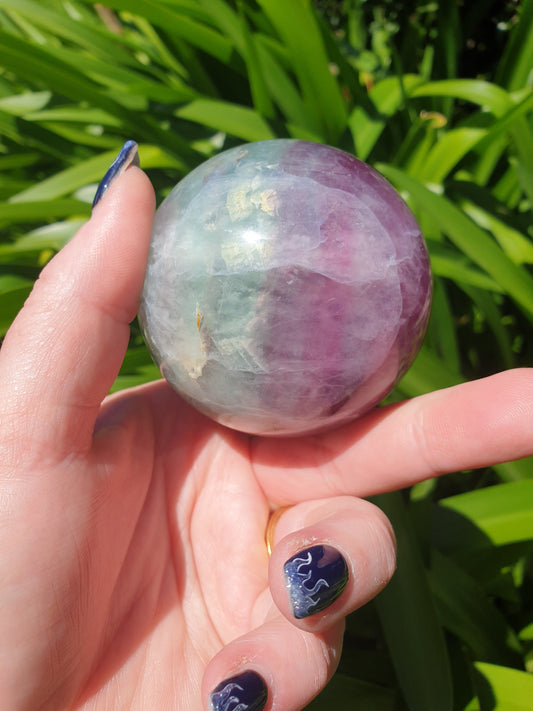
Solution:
(367, 122)
(128, 86)
(511, 120)
(18, 160)
(487, 306)
(516, 245)
(442, 328)
(282, 88)
(144, 374)
(503, 689)
(74, 114)
(514, 69)
(345, 692)
(21, 104)
(476, 91)
(23, 212)
(470, 238)
(452, 265)
(175, 20)
(527, 632)
(69, 180)
(409, 621)
(513, 471)
(427, 373)
(38, 65)
(219, 13)
(445, 155)
(88, 172)
(296, 25)
(137, 368)
(259, 88)
(503, 514)
(13, 293)
(465, 610)
(26, 135)
(59, 24)
(525, 177)
(238, 121)
(49, 238)
(9, 282)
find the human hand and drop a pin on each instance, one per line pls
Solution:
(133, 562)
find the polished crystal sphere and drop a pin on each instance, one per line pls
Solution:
(288, 288)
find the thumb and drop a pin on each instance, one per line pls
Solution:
(65, 347)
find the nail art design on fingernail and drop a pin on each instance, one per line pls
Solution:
(244, 692)
(128, 156)
(314, 578)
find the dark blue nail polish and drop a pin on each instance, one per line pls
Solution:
(314, 578)
(128, 156)
(244, 692)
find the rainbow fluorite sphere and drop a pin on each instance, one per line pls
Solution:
(288, 288)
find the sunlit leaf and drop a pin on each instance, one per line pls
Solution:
(296, 25)
(172, 18)
(466, 235)
(23, 212)
(477, 91)
(366, 123)
(21, 104)
(49, 238)
(503, 688)
(238, 121)
(501, 513)
(90, 171)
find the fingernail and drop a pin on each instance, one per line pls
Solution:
(314, 578)
(244, 691)
(128, 156)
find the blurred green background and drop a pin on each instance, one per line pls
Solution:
(438, 97)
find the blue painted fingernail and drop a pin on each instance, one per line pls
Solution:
(128, 156)
(314, 578)
(246, 691)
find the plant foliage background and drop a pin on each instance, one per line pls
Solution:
(437, 95)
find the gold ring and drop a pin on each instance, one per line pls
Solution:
(271, 527)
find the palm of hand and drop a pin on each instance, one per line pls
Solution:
(163, 560)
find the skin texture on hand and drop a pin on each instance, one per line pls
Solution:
(133, 567)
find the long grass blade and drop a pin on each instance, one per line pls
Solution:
(502, 513)
(428, 373)
(13, 293)
(367, 122)
(502, 689)
(173, 19)
(465, 609)
(468, 237)
(238, 121)
(514, 69)
(410, 625)
(297, 26)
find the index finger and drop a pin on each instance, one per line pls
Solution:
(468, 426)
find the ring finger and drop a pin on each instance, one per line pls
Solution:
(329, 557)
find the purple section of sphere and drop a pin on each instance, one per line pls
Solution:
(312, 321)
